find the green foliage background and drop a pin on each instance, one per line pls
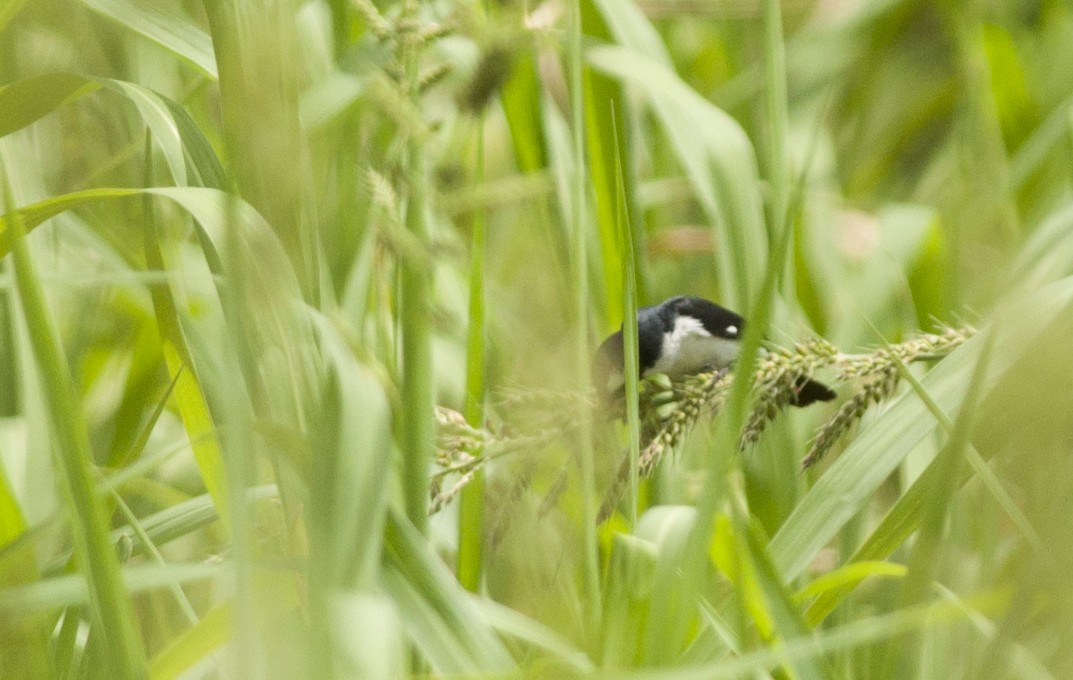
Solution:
(248, 244)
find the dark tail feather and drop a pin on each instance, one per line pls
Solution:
(808, 391)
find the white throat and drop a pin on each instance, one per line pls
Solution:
(690, 348)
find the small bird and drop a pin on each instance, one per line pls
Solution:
(682, 336)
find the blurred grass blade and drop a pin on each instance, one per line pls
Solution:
(415, 294)
(383, 652)
(1048, 253)
(846, 576)
(193, 645)
(471, 505)
(1025, 662)
(979, 466)
(12, 522)
(121, 456)
(182, 519)
(861, 633)
(777, 126)
(189, 397)
(516, 625)
(578, 220)
(269, 263)
(205, 164)
(785, 614)
(725, 554)
(850, 482)
(64, 591)
(112, 613)
(668, 527)
(440, 608)
(719, 162)
(522, 106)
(351, 470)
(608, 162)
(35, 214)
(631, 365)
(628, 581)
(8, 10)
(157, 558)
(25, 101)
(278, 596)
(179, 138)
(629, 26)
(328, 98)
(24, 637)
(927, 550)
(163, 27)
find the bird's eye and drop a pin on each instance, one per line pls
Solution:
(732, 330)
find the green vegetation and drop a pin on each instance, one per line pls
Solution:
(298, 302)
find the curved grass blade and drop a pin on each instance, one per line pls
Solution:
(25, 101)
(184, 145)
(169, 30)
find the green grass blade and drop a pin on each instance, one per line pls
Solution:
(471, 508)
(578, 220)
(943, 485)
(850, 482)
(351, 471)
(631, 365)
(777, 121)
(24, 637)
(513, 624)
(418, 427)
(65, 591)
(979, 466)
(163, 27)
(174, 131)
(442, 609)
(8, 10)
(112, 612)
(193, 645)
(25, 101)
(522, 104)
(785, 614)
(154, 553)
(189, 397)
(719, 162)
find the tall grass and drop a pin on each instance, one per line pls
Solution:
(256, 256)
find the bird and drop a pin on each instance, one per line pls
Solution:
(682, 336)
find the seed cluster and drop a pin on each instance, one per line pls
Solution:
(669, 410)
(779, 375)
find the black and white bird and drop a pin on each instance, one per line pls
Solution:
(683, 336)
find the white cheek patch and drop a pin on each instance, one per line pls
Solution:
(685, 327)
(690, 348)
